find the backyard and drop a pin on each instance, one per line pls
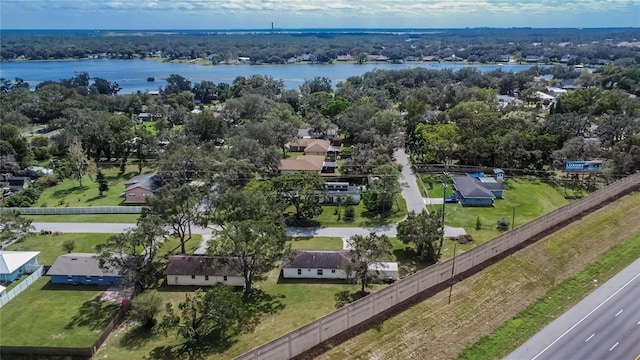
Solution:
(55, 315)
(50, 246)
(69, 193)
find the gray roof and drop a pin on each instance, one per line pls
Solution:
(201, 265)
(470, 188)
(85, 264)
(150, 182)
(318, 259)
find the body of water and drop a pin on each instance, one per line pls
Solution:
(132, 75)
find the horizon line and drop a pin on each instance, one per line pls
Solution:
(327, 28)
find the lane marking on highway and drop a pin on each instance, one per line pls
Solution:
(586, 316)
(589, 338)
(614, 346)
(619, 312)
(637, 357)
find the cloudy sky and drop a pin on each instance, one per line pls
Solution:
(258, 14)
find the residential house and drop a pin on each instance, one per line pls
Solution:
(201, 270)
(555, 91)
(567, 84)
(14, 264)
(244, 59)
(83, 268)
(17, 183)
(310, 146)
(139, 187)
(411, 58)
(344, 58)
(453, 58)
(477, 190)
(342, 191)
(145, 116)
(506, 100)
(311, 163)
(430, 58)
(329, 264)
(377, 58)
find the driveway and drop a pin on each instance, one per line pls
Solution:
(410, 191)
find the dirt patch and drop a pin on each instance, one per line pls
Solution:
(435, 329)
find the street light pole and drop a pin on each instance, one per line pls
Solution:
(453, 266)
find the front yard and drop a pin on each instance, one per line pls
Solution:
(55, 315)
(329, 216)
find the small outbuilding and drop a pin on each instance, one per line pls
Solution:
(202, 270)
(83, 268)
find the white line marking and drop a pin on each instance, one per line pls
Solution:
(586, 316)
(589, 338)
(619, 312)
(614, 346)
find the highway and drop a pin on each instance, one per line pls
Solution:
(604, 325)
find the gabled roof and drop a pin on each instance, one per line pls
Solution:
(201, 265)
(303, 163)
(318, 146)
(10, 261)
(469, 187)
(85, 264)
(318, 259)
(150, 182)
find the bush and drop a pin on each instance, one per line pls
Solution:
(144, 308)
(48, 181)
(478, 223)
(24, 198)
(502, 224)
(349, 213)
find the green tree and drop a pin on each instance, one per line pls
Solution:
(302, 190)
(134, 251)
(366, 251)
(77, 161)
(144, 308)
(439, 141)
(382, 192)
(255, 246)
(424, 230)
(177, 206)
(103, 184)
(68, 246)
(14, 227)
(212, 315)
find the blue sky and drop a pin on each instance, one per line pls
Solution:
(258, 14)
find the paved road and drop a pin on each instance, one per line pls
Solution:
(605, 325)
(410, 191)
(389, 230)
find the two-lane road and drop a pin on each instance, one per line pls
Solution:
(605, 325)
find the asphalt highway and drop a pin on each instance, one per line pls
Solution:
(604, 325)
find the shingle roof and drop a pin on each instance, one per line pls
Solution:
(150, 182)
(201, 265)
(10, 261)
(318, 259)
(86, 264)
(318, 146)
(471, 188)
(303, 163)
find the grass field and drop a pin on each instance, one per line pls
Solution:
(70, 193)
(525, 199)
(317, 243)
(55, 315)
(484, 301)
(171, 246)
(329, 217)
(50, 246)
(89, 218)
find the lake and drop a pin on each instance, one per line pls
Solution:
(132, 75)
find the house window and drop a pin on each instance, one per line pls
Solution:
(131, 194)
(193, 276)
(69, 277)
(319, 271)
(224, 278)
(333, 271)
(206, 277)
(299, 271)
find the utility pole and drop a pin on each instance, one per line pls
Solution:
(444, 196)
(513, 217)
(453, 266)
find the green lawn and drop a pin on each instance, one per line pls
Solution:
(436, 191)
(171, 246)
(525, 199)
(86, 218)
(294, 154)
(316, 243)
(50, 246)
(55, 315)
(329, 216)
(70, 193)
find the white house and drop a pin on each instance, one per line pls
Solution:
(202, 270)
(329, 264)
(350, 194)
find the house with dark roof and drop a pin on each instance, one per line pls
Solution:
(139, 187)
(202, 270)
(329, 264)
(83, 268)
(17, 183)
(477, 190)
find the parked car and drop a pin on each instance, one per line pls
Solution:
(451, 198)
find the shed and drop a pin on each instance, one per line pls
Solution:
(14, 264)
(83, 268)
